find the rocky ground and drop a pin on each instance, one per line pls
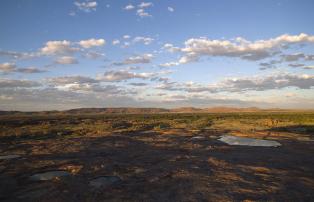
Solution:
(158, 165)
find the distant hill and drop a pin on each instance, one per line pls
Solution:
(186, 110)
(120, 110)
(130, 110)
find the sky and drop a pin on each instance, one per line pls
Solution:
(63, 54)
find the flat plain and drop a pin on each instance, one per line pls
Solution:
(157, 156)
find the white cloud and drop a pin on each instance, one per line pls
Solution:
(169, 64)
(18, 55)
(115, 42)
(7, 67)
(171, 48)
(62, 47)
(142, 13)
(199, 47)
(58, 47)
(92, 43)
(140, 59)
(66, 60)
(59, 81)
(122, 75)
(140, 9)
(126, 36)
(145, 4)
(87, 6)
(144, 40)
(11, 67)
(170, 9)
(239, 85)
(270, 82)
(93, 55)
(129, 7)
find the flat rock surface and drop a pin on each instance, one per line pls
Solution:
(234, 140)
(198, 138)
(104, 181)
(156, 165)
(12, 156)
(48, 175)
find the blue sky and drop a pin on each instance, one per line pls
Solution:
(166, 53)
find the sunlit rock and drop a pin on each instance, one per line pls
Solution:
(234, 140)
(198, 138)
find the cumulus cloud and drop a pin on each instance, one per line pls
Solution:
(51, 48)
(14, 83)
(170, 9)
(37, 99)
(82, 84)
(92, 43)
(270, 82)
(126, 36)
(140, 9)
(41, 99)
(11, 67)
(87, 6)
(123, 75)
(7, 67)
(244, 84)
(145, 4)
(129, 7)
(169, 64)
(142, 13)
(115, 42)
(67, 47)
(144, 40)
(57, 81)
(195, 48)
(93, 55)
(58, 47)
(108, 89)
(86, 85)
(17, 55)
(171, 48)
(127, 41)
(140, 59)
(66, 60)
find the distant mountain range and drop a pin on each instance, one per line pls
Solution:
(128, 110)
